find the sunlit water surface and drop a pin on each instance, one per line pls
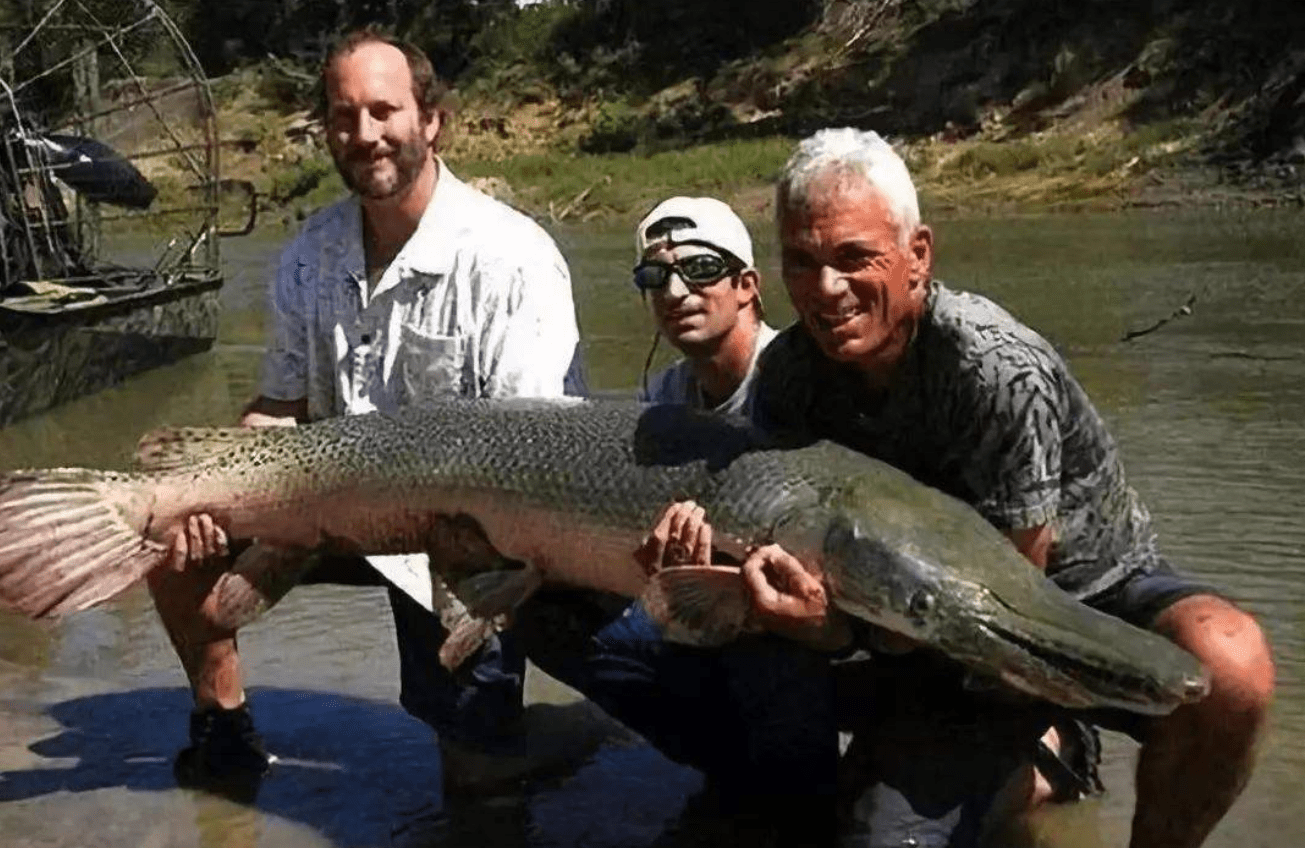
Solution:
(1207, 409)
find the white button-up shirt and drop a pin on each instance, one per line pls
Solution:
(477, 303)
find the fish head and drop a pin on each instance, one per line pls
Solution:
(940, 575)
(885, 585)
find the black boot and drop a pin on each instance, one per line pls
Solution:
(226, 753)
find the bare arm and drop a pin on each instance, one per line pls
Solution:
(200, 538)
(269, 412)
(1034, 543)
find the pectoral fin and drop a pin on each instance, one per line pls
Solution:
(699, 605)
(493, 593)
(474, 588)
(478, 607)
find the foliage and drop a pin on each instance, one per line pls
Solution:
(989, 97)
(624, 184)
(301, 178)
(615, 129)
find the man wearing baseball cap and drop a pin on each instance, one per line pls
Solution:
(696, 268)
(749, 715)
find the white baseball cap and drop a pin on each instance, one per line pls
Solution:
(697, 220)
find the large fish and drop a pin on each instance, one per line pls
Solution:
(570, 489)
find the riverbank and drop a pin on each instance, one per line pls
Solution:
(1052, 173)
(528, 158)
(578, 114)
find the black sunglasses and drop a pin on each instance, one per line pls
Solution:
(696, 271)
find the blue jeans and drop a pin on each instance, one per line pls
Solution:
(755, 716)
(478, 704)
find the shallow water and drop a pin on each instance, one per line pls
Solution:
(1207, 410)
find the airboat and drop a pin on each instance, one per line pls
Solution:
(110, 198)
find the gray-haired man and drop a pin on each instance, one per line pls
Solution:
(952, 389)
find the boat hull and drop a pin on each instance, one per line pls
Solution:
(52, 353)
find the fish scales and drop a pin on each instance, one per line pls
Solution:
(569, 489)
(529, 456)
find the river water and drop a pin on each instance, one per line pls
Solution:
(1207, 410)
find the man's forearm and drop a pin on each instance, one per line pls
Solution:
(270, 412)
(1034, 543)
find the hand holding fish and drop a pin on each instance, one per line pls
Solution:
(198, 539)
(681, 536)
(791, 601)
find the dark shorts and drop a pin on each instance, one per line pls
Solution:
(1139, 600)
(931, 756)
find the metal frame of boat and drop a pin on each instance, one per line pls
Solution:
(72, 323)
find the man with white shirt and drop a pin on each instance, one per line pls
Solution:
(415, 287)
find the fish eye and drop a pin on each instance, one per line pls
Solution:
(921, 603)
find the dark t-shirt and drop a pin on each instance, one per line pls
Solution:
(986, 410)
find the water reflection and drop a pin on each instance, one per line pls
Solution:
(1207, 412)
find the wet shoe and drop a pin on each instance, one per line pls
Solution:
(470, 771)
(224, 749)
(552, 740)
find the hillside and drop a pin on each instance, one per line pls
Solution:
(596, 108)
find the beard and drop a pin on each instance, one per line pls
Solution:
(381, 177)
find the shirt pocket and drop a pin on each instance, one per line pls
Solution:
(428, 366)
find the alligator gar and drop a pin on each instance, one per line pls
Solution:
(570, 489)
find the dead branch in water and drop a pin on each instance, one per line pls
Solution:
(1185, 309)
(559, 217)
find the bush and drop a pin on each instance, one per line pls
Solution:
(616, 129)
(990, 158)
(300, 178)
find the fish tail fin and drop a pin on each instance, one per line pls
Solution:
(479, 606)
(699, 605)
(71, 538)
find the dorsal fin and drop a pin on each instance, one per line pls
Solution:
(180, 448)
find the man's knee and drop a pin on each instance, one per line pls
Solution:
(1232, 647)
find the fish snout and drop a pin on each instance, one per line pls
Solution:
(1194, 687)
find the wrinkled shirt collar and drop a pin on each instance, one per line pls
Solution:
(432, 247)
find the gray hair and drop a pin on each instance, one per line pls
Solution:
(846, 152)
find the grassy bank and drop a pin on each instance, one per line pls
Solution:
(1005, 106)
(1103, 170)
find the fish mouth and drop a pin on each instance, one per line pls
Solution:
(1089, 683)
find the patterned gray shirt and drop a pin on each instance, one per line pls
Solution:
(986, 410)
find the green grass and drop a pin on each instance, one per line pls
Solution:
(1065, 153)
(630, 182)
